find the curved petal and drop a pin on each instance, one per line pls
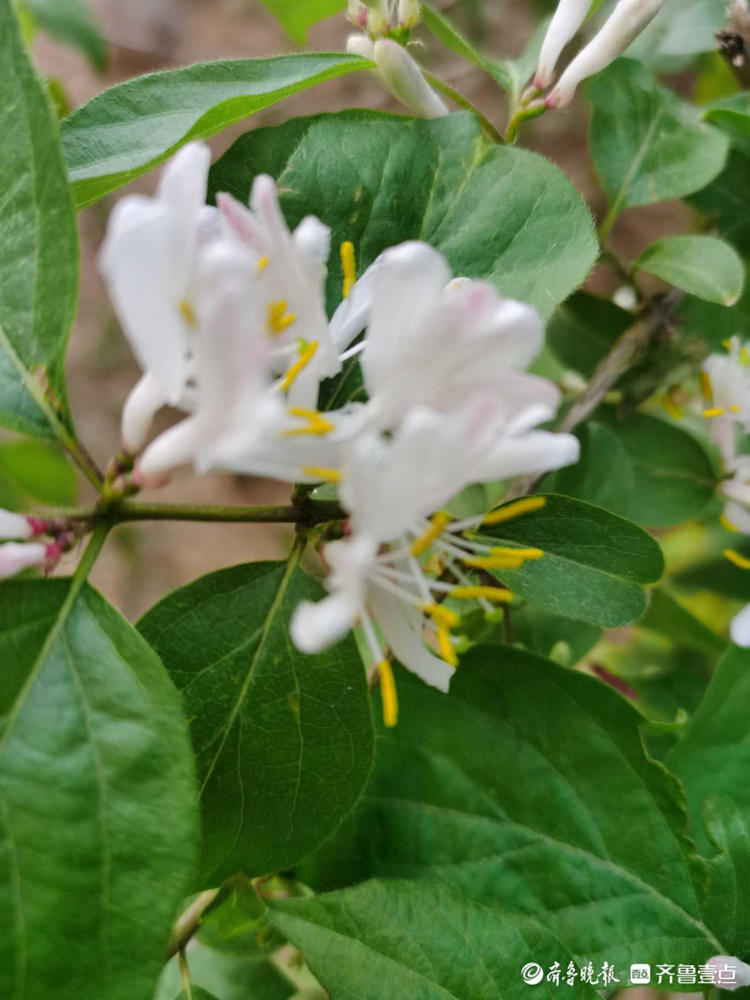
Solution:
(317, 625)
(402, 628)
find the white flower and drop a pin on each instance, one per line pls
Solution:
(725, 379)
(624, 24)
(731, 973)
(400, 74)
(567, 19)
(736, 491)
(18, 556)
(149, 260)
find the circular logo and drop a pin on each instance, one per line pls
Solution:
(532, 973)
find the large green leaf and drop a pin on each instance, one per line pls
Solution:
(527, 791)
(496, 212)
(130, 128)
(642, 468)
(299, 15)
(595, 564)
(407, 939)
(681, 29)
(283, 740)
(701, 265)
(72, 22)
(647, 144)
(97, 798)
(39, 249)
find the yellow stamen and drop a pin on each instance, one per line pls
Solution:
(388, 694)
(726, 344)
(669, 404)
(438, 523)
(492, 562)
(516, 509)
(501, 550)
(317, 424)
(714, 411)
(322, 474)
(726, 523)
(744, 356)
(446, 647)
(739, 560)
(434, 565)
(304, 360)
(706, 388)
(278, 318)
(499, 594)
(262, 264)
(349, 267)
(188, 314)
(441, 616)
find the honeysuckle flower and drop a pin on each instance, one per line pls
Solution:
(567, 19)
(730, 973)
(149, 260)
(736, 492)
(18, 556)
(290, 270)
(390, 486)
(725, 381)
(624, 24)
(400, 74)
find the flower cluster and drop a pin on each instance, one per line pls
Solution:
(725, 382)
(624, 24)
(224, 308)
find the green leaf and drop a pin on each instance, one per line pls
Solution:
(298, 15)
(97, 798)
(595, 564)
(283, 740)
(681, 29)
(496, 212)
(528, 792)
(132, 127)
(40, 471)
(407, 939)
(669, 618)
(646, 143)
(196, 993)
(72, 22)
(646, 469)
(726, 202)
(39, 250)
(701, 265)
(584, 329)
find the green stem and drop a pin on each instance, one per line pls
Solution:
(89, 557)
(310, 512)
(464, 102)
(613, 214)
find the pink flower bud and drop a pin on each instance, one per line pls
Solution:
(17, 526)
(568, 18)
(17, 556)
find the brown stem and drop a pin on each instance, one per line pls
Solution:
(189, 923)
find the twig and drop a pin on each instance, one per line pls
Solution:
(310, 512)
(189, 923)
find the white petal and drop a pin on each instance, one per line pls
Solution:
(360, 45)
(17, 556)
(184, 178)
(313, 240)
(316, 626)
(738, 516)
(145, 399)
(739, 628)
(731, 973)
(567, 19)
(538, 451)
(353, 314)
(402, 628)
(177, 446)
(14, 525)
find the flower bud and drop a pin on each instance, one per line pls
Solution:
(403, 78)
(624, 24)
(731, 973)
(568, 18)
(409, 13)
(358, 14)
(360, 45)
(18, 526)
(17, 556)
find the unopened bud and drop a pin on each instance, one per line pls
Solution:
(360, 45)
(624, 24)
(409, 13)
(18, 556)
(730, 973)
(403, 78)
(17, 526)
(568, 18)
(358, 14)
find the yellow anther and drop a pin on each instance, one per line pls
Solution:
(446, 647)
(502, 550)
(304, 360)
(349, 267)
(714, 411)
(434, 565)
(278, 317)
(441, 616)
(706, 388)
(499, 594)
(735, 557)
(316, 425)
(322, 474)
(438, 524)
(188, 314)
(669, 404)
(726, 523)
(388, 694)
(493, 562)
(516, 509)
(726, 344)
(262, 264)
